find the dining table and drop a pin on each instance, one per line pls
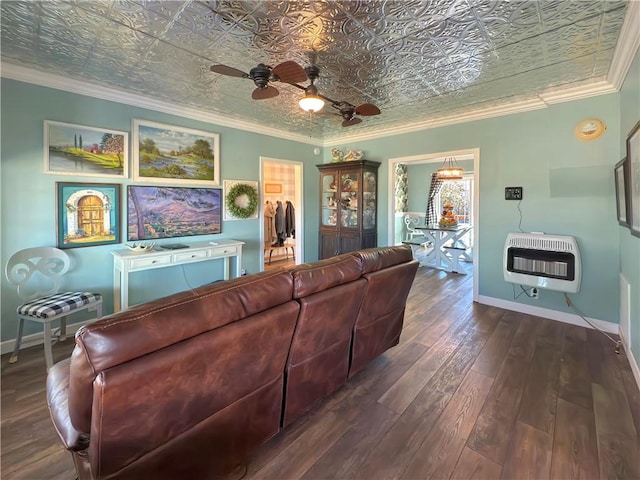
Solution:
(441, 237)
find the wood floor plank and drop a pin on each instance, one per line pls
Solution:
(575, 379)
(523, 344)
(407, 388)
(529, 454)
(438, 455)
(492, 431)
(473, 466)
(538, 405)
(631, 389)
(602, 361)
(494, 351)
(391, 456)
(485, 317)
(616, 436)
(575, 451)
(449, 377)
(309, 447)
(346, 455)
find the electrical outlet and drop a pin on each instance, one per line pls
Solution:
(534, 292)
(513, 193)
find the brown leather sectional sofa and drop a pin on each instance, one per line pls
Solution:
(187, 385)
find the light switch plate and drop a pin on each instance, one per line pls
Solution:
(513, 193)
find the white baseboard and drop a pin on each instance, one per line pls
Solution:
(38, 338)
(570, 318)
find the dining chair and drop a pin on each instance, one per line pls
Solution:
(37, 273)
(411, 223)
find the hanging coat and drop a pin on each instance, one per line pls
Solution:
(281, 224)
(270, 235)
(290, 220)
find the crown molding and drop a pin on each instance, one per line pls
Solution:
(627, 46)
(58, 82)
(480, 114)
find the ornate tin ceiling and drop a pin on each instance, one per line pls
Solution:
(415, 60)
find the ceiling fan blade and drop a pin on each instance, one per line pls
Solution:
(353, 121)
(262, 93)
(289, 72)
(225, 70)
(367, 109)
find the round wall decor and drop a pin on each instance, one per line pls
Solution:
(589, 129)
(242, 200)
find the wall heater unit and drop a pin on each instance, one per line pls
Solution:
(543, 261)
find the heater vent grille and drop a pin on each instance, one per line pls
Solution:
(544, 261)
(539, 242)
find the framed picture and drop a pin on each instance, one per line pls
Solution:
(621, 175)
(273, 188)
(241, 200)
(77, 150)
(175, 155)
(88, 214)
(167, 212)
(633, 157)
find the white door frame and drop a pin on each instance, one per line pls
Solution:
(433, 158)
(298, 204)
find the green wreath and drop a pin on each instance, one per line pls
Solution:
(237, 191)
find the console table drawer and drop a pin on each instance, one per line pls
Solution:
(190, 256)
(223, 252)
(142, 262)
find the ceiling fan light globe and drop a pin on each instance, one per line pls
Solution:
(311, 103)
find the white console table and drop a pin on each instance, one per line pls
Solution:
(125, 261)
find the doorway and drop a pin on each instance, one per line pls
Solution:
(460, 155)
(281, 182)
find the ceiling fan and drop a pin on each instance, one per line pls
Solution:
(346, 110)
(292, 73)
(262, 75)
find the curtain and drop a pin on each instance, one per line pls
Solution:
(431, 216)
(401, 188)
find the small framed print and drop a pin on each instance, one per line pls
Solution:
(621, 177)
(88, 214)
(273, 188)
(633, 157)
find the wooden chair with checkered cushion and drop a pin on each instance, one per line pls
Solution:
(37, 273)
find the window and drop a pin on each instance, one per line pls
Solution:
(459, 193)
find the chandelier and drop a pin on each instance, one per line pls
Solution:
(449, 170)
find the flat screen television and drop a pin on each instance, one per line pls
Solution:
(168, 212)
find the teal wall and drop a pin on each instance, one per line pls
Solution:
(568, 190)
(28, 195)
(630, 245)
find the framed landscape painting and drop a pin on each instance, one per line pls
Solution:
(77, 150)
(88, 214)
(171, 211)
(175, 155)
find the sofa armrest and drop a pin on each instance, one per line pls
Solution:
(58, 403)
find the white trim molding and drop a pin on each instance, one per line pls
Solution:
(556, 315)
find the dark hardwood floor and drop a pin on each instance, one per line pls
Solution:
(471, 392)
